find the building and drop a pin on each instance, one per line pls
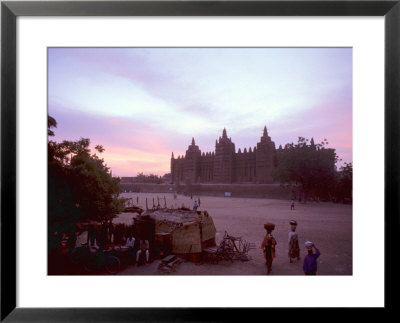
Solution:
(225, 165)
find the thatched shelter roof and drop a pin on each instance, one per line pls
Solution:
(189, 229)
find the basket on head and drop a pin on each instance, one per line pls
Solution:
(269, 226)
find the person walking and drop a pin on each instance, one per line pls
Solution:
(292, 204)
(195, 206)
(268, 246)
(310, 261)
(293, 240)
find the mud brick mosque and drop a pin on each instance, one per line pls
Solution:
(225, 165)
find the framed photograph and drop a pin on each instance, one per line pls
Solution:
(206, 132)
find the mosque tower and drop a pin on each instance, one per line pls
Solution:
(224, 160)
(265, 158)
(191, 168)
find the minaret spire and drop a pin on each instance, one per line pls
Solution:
(265, 134)
(224, 134)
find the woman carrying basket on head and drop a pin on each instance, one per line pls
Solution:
(293, 240)
(268, 246)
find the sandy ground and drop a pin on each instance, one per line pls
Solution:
(328, 225)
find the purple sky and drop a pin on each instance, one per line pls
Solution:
(141, 104)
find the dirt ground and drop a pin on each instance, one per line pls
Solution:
(328, 225)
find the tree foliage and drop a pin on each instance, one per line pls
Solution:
(344, 186)
(307, 166)
(151, 178)
(80, 185)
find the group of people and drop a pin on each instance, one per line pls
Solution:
(269, 243)
(144, 247)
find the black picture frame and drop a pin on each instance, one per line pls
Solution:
(10, 10)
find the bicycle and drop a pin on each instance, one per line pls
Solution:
(225, 250)
(233, 248)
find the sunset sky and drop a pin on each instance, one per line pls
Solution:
(142, 104)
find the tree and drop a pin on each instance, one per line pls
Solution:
(167, 177)
(80, 185)
(309, 167)
(151, 178)
(51, 123)
(344, 186)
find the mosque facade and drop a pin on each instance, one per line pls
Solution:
(225, 165)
